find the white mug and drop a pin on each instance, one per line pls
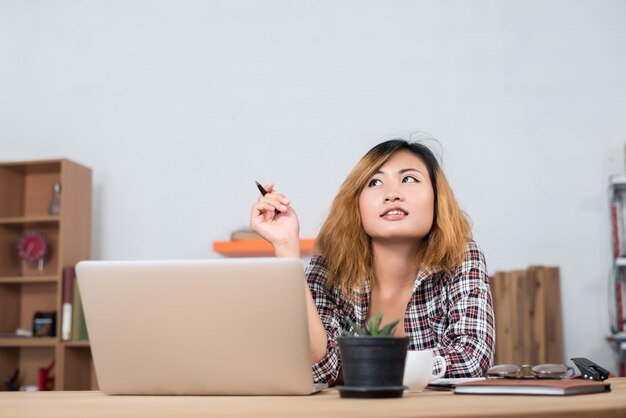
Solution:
(418, 370)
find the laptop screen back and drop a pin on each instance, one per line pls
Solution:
(227, 326)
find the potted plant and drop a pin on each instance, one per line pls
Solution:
(373, 361)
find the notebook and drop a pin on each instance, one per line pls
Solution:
(557, 387)
(198, 327)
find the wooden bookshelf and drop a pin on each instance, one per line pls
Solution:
(25, 194)
(256, 248)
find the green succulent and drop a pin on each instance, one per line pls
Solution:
(372, 328)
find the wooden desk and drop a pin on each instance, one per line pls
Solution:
(325, 404)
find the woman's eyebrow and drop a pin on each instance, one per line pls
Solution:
(402, 171)
(405, 170)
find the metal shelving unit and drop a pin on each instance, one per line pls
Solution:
(617, 284)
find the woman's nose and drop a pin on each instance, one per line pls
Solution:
(392, 196)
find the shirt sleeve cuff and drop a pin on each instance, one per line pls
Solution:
(327, 369)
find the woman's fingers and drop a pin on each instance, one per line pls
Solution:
(271, 203)
(279, 201)
(275, 220)
(268, 206)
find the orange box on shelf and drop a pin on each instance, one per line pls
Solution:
(255, 248)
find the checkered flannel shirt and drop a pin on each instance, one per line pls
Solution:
(449, 314)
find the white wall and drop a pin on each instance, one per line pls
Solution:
(178, 106)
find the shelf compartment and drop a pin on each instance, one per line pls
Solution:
(30, 185)
(28, 360)
(256, 248)
(12, 265)
(78, 368)
(20, 301)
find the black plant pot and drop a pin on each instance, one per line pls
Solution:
(373, 367)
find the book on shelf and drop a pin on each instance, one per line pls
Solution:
(550, 387)
(618, 208)
(244, 234)
(79, 328)
(69, 279)
(619, 301)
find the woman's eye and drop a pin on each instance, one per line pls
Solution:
(410, 179)
(374, 182)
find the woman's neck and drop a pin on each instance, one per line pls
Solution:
(395, 266)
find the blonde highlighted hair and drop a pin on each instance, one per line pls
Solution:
(345, 245)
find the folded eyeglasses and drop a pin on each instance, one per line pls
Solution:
(527, 371)
(588, 370)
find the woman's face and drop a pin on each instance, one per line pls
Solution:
(398, 201)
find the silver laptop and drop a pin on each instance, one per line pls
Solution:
(198, 327)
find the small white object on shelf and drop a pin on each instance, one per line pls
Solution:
(23, 332)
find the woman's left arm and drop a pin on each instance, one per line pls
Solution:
(468, 343)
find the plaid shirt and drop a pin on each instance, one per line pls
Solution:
(451, 315)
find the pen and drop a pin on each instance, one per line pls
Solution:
(263, 193)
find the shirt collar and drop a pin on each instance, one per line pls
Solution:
(363, 296)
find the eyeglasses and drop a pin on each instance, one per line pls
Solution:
(526, 371)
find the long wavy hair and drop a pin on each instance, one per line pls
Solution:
(347, 248)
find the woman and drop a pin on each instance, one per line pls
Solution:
(395, 242)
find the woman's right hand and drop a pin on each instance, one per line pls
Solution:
(281, 229)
